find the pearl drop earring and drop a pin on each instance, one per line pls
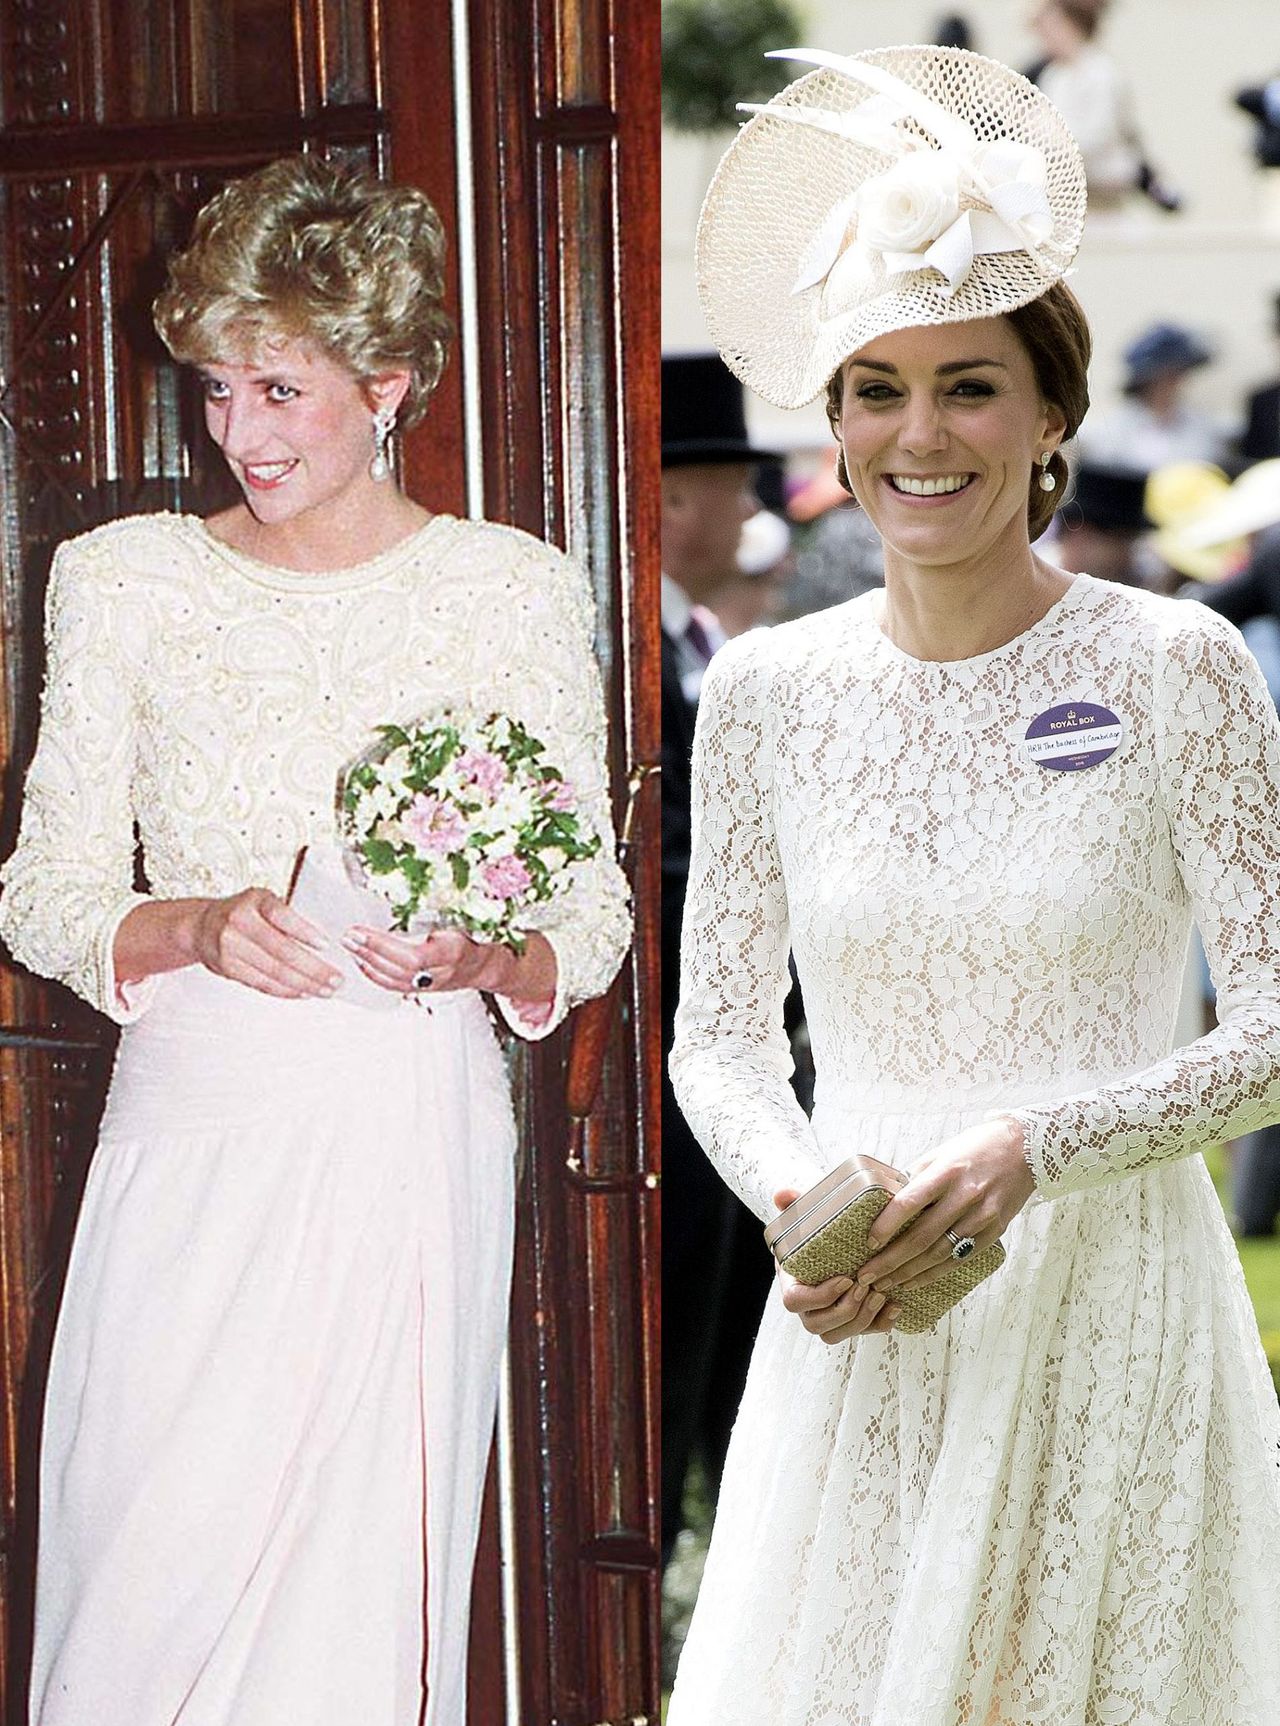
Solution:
(383, 424)
(1047, 481)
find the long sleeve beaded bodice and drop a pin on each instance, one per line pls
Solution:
(215, 700)
(968, 924)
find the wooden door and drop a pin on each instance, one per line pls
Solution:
(118, 118)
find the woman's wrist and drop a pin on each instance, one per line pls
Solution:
(529, 976)
(160, 935)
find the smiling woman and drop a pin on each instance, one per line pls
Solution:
(978, 811)
(310, 303)
(273, 1388)
(948, 435)
(1053, 335)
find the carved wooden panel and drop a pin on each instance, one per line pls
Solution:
(568, 88)
(117, 120)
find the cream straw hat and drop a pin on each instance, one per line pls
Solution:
(885, 190)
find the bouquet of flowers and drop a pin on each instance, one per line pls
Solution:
(459, 819)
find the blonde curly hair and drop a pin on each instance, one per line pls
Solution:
(309, 251)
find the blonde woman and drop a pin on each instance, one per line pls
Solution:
(980, 808)
(273, 1383)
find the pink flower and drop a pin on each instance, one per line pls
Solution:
(563, 797)
(505, 878)
(478, 767)
(434, 827)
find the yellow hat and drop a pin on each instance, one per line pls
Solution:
(1252, 504)
(1178, 497)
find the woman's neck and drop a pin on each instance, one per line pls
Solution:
(958, 611)
(317, 540)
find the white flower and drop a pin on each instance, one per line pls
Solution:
(383, 800)
(908, 206)
(554, 858)
(397, 889)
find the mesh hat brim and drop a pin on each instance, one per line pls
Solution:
(776, 187)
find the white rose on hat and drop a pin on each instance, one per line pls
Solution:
(905, 209)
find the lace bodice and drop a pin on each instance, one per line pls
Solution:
(971, 928)
(215, 700)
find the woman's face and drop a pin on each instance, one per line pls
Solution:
(941, 427)
(295, 426)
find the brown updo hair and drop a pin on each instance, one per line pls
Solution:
(309, 251)
(1055, 333)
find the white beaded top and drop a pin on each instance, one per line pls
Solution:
(216, 699)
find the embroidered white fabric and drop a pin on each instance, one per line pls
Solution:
(1062, 1507)
(285, 1313)
(216, 699)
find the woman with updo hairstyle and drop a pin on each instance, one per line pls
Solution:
(1007, 1451)
(273, 1384)
(1055, 335)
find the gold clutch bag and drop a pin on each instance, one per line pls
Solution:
(824, 1232)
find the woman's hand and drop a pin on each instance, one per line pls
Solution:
(838, 1308)
(454, 961)
(973, 1184)
(256, 939)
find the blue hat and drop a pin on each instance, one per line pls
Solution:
(1162, 349)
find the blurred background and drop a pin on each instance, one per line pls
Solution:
(1212, 265)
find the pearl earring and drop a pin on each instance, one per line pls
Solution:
(383, 424)
(1047, 481)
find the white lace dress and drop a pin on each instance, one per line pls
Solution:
(287, 1297)
(1062, 1508)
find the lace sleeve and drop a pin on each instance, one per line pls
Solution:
(1218, 741)
(69, 883)
(589, 926)
(731, 1060)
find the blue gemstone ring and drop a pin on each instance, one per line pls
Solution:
(961, 1245)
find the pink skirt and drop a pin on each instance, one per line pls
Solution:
(273, 1385)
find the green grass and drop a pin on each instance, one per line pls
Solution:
(1261, 1261)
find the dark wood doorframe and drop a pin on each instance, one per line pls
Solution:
(565, 148)
(565, 112)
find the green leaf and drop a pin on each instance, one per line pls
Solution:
(380, 855)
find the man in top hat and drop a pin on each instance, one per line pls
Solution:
(1100, 523)
(708, 465)
(1261, 439)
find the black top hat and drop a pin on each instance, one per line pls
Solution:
(1108, 497)
(703, 418)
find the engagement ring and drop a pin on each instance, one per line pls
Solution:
(422, 979)
(961, 1245)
